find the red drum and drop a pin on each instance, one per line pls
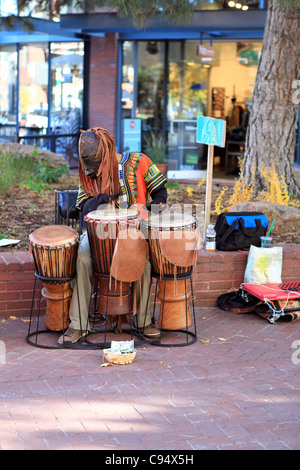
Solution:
(54, 249)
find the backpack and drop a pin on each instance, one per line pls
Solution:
(239, 230)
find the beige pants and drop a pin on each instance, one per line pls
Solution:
(83, 289)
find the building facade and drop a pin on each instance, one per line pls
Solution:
(146, 86)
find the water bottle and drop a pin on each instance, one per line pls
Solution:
(211, 238)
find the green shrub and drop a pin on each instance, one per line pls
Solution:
(28, 172)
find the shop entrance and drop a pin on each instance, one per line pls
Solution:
(164, 89)
(167, 84)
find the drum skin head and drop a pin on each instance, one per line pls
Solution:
(169, 220)
(111, 215)
(53, 235)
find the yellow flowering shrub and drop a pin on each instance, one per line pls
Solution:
(190, 191)
(276, 190)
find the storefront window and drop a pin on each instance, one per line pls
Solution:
(187, 99)
(232, 80)
(142, 93)
(150, 88)
(33, 91)
(66, 96)
(177, 81)
(8, 96)
(127, 98)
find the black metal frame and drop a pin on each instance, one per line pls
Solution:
(132, 331)
(72, 217)
(188, 332)
(37, 332)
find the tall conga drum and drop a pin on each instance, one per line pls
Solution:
(54, 249)
(103, 227)
(173, 249)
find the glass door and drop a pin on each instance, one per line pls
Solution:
(8, 93)
(163, 90)
(187, 99)
(142, 94)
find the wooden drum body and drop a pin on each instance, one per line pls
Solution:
(54, 249)
(173, 249)
(103, 228)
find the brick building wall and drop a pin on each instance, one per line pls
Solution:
(216, 273)
(103, 82)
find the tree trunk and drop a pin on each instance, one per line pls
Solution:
(271, 134)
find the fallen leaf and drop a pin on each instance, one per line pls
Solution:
(222, 339)
(204, 340)
(105, 364)
(101, 386)
(24, 320)
(13, 318)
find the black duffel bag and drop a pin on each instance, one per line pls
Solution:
(239, 230)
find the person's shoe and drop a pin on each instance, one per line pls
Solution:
(72, 336)
(151, 331)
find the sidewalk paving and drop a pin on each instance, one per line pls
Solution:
(237, 387)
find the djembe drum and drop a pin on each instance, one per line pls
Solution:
(54, 249)
(173, 249)
(103, 228)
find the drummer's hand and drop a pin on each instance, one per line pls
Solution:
(104, 198)
(94, 202)
(157, 208)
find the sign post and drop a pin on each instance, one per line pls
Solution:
(210, 131)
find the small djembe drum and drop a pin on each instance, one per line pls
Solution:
(173, 249)
(103, 228)
(54, 249)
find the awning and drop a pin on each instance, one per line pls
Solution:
(43, 31)
(221, 24)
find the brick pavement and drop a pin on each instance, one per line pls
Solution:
(235, 388)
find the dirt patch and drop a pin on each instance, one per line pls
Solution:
(22, 211)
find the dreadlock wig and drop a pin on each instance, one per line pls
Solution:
(106, 180)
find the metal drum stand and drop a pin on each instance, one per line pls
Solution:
(174, 316)
(110, 306)
(33, 337)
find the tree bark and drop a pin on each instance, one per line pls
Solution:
(271, 133)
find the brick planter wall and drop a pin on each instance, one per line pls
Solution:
(216, 273)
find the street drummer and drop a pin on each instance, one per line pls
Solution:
(124, 180)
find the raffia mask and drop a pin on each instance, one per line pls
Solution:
(90, 154)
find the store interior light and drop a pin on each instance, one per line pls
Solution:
(237, 5)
